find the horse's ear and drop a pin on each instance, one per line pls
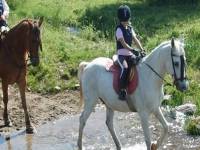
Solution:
(172, 43)
(40, 21)
(181, 39)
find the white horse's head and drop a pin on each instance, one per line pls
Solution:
(177, 64)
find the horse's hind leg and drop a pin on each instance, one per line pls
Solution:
(109, 123)
(22, 86)
(7, 121)
(88, 108)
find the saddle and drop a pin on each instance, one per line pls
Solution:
(113, 67)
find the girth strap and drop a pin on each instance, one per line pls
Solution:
(130, 104)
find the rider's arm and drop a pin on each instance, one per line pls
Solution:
(6, 9)
(124, 44)
(136, 41)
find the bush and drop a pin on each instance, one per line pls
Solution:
(192, 126)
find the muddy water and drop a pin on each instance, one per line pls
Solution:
(62, 135)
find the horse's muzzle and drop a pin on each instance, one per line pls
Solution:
(182, 85)
(35, 61)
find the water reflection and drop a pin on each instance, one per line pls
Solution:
(8, 142)
(136, 147)
(29, 140)
(9, 145)
(62, 135)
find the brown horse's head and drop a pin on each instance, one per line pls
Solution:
(35, 42)
(23, 40)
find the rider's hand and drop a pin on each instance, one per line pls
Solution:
(2, 17)
(135, 52)
(142, 53)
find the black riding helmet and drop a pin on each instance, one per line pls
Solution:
(124, 13)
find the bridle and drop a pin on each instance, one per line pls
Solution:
(176, 79)
(182, 70)
(35, 40)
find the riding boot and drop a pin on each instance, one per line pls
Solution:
(122, 85)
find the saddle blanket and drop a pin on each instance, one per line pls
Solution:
(115, 70)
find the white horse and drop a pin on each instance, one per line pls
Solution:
(96, 82)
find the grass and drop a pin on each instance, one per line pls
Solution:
(94, 23)
(192, 126)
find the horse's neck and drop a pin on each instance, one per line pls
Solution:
(14, 50)
(157, 61)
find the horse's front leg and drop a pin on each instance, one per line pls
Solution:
(7, 121)
(109, 123)
(144, 117)
(22, 87)
(161, 118)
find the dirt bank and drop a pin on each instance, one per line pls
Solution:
(42, 108)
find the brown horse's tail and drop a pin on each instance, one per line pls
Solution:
(81, 68)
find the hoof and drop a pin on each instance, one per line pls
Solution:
(79, 146)
(30, 130)
(153, 146)
(8, 123)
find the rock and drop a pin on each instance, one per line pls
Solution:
(1, 106)
(57, 88)
(167, 97)
(187, 109)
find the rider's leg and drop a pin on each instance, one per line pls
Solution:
(123, 77)
(3, 26)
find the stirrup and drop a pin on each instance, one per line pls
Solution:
(122, 94)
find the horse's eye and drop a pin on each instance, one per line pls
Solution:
(176, 64)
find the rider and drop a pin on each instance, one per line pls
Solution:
(4, 13)
(125, 36)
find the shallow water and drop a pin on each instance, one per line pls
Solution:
(62, 135)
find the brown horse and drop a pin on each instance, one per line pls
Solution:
(21, 42)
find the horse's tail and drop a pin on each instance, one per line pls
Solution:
(81, 68)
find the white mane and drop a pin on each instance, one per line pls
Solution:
(179, 46)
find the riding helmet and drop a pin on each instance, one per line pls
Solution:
(124, 13)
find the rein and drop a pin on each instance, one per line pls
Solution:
(169, 84)
(158, 74)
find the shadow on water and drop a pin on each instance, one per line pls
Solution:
(147, 19)
(62, 135)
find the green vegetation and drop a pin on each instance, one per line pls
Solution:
(192, 126)
(78, 30)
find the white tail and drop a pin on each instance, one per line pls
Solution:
(81, 68)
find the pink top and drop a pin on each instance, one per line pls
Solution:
(123, 51)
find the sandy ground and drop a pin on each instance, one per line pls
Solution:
(42, 108)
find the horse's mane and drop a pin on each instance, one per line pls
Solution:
(178, 44)
(163, 44)
(21, 28)
(19, 24)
